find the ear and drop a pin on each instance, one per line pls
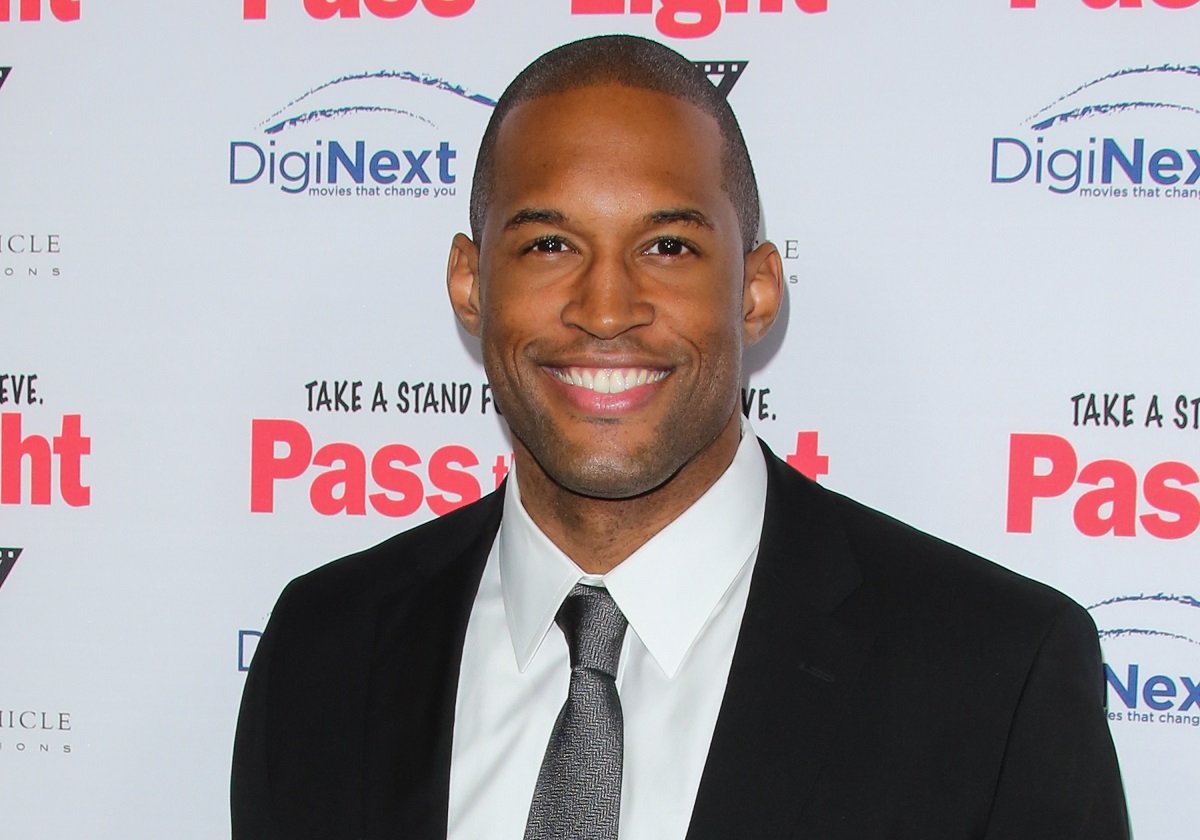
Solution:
(462, 282)
(762, 292)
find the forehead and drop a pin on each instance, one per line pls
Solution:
(604, 138)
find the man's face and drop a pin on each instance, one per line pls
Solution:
(610, 290)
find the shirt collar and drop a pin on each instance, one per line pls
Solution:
(695, 558)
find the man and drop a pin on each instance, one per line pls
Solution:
(657, 628)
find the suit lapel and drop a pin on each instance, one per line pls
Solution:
(797, 660)
(414, 685)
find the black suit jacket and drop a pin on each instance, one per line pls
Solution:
(885, 684)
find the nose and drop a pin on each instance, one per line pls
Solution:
(607, 299)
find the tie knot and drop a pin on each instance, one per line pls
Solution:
(594, 627)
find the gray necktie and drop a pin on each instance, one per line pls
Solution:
(578, 793)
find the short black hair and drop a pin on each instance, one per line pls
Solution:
(633, 62)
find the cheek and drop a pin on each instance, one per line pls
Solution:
(508, 330)
(519, 306)
(714, 327)
(720, 348)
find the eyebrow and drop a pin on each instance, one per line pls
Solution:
(546, 216)
(684, 215)
(534, 216)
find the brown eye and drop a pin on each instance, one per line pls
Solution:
(548, 245)
(668, 246)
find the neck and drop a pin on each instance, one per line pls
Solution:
(599, 534)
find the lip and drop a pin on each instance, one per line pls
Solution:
(608, 380)
(589, 388)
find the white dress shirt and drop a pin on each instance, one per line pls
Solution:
(683, 593)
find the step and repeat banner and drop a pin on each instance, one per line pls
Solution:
(226, 355)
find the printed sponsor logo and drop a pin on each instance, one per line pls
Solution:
(30, 255)
(1112, 496)
(389, 9)
(345, 479)
(807, 458)
(30, 10)
(53, 462)
(1109, 492)
(723, 74)
(247, 644)
(693, 18)
(25, 731)
(1125, 135)
(395, 479)
(399, 150)
(1163, 628)
(8, 559)
(1110, 4)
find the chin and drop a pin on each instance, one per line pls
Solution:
(602, 477)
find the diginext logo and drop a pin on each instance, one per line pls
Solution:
(247, 645)
(1128, 134)
(64, 10)
(1150, 643)
(692, 18)
(397, 150)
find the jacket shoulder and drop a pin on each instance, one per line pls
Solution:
(346, 591)
(411, 555)
(918, 578)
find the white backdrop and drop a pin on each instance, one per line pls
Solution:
(953, 324)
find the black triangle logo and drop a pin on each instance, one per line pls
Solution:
(723, 74)
(8, 556)
(4, 71)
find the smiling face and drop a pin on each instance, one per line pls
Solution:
(612, 293)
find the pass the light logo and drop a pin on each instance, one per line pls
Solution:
(1151, 642)
(1111, 4)
(692, 18)
(8, 559)
(369, 134)
(1127, 134)
(326, 9)
(31, 10)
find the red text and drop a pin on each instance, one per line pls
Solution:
(283, 450)
(64, 10)
(325, 9)
(807, 458)
(17, 449)
(1108, 4)
(1047, 466)
(690, 18)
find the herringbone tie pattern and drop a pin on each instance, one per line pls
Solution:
(578, 793)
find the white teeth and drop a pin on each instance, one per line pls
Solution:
(609, 380)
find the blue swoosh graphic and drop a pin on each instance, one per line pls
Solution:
(1183, 69)
(400, 75)
(1141, 597)
(1185, 600)
(1104, 109)
(1118, 632)
(333, 113)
